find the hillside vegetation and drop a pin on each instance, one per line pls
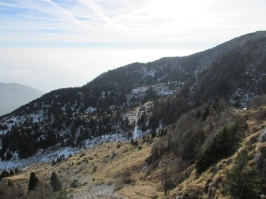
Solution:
(182, 127)
(103, 110)
(150, 167)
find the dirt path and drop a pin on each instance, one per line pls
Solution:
(97, 192)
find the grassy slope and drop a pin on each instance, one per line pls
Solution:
(197, 185)
(122, 164)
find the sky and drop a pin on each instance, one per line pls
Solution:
(51, 44)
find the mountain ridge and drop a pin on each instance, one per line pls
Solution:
(99, 112)
(195, 62)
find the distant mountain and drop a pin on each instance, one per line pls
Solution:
(138, 99)
(15, 95)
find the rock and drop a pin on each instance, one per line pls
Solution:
(214, 170)
(230, 161)
(263, 167)
(258, 161)
(209, 193)
(262, 137)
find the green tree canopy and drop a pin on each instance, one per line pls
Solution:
(33, 181)
(55, 182)
(242, 180)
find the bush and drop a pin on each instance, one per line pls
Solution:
(94, 169)
(205, 114)
(61, 195)
(134, 143)
(10, 192)
(40, 192)
(118, 186)
(257, 102)
(9, 183)
(166, 180)
(224, 144)
(162, 146)
(74, 183)
(113, 156)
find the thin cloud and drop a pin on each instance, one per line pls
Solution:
(78, 22)
(98, 11)
(126, 21)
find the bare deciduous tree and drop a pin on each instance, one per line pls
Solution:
(41, 192)
(166, 180)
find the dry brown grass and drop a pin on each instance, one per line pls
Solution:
(196, 184)
(108, 164)
(104, 164)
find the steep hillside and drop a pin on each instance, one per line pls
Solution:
(132, 101)
(15, 95)
(130, 170)
(216, 179)
(236, 76)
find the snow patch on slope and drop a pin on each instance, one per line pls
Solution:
(53, 153)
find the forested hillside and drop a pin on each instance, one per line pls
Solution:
(137, 99)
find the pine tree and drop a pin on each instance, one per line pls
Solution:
(9, 183)
(4, 174)
(16, 171)
(33, 181)
(55, 182)
(8, 155)
(242, 181)
(205, 114)
(11, 172)
(53, 162)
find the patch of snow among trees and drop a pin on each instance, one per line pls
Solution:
(53, 153)
(90, 110)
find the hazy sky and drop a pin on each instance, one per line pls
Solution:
(50, 44)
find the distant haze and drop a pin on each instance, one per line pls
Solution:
(50, 69)
(15, 95)
(53, 44)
